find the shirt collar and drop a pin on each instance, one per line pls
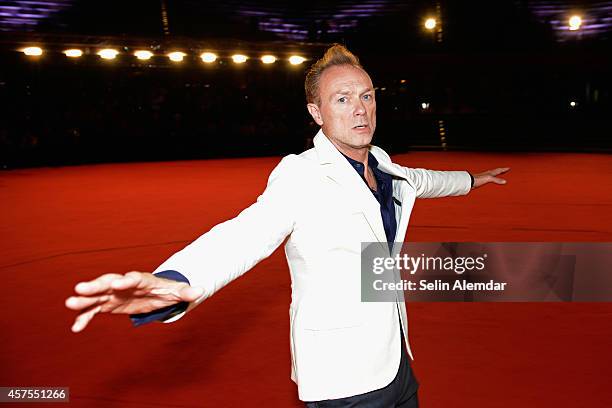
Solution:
(380, 175)
(358, 166)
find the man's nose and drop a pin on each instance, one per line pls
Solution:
(359, 108)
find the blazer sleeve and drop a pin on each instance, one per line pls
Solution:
(233, 247)
(434, 183)
(431, 183)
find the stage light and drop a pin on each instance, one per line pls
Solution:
(208, 57)
(268, 59)
(425, 105)
(573, 104)
(143, 55)
(296, 60)
(239, 58)
(73, 53)
(430, 23)
(32, 51)
(575, 22)
(108, 53)
(176, 56)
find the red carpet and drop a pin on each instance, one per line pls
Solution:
(63, 225)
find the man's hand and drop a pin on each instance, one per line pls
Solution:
(132, 293)
(489, 176)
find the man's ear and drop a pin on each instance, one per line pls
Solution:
(315, 113)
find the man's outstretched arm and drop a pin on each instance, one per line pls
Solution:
(435, 183)
(490, 176)
(210, 262)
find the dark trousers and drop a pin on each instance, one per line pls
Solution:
(401, 393)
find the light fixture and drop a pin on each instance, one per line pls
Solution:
(208, 57)
(296, 60)
(430, 23)
(239, 58)
(73, 53)
(575, 22)
(176, 56)
(143, 54)
(32, 51)
(268, 59)
(573, 104)
(108, 53)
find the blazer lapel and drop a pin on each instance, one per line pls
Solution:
(337, 168)
(401, 197)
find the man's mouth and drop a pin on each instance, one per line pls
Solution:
(360, 127)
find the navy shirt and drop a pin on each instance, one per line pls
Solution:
(383, 194)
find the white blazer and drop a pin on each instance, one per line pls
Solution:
(340, 346)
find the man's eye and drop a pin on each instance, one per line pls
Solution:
(367, 97)
(342, 100)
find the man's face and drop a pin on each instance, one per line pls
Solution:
(347, 108)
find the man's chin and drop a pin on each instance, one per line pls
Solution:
(362, 138)
(353, 140)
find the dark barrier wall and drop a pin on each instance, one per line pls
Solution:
(57, 111)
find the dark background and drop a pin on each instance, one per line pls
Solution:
(498, 76)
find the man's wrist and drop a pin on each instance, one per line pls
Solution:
(167, 312)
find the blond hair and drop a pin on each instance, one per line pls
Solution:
(335, 55)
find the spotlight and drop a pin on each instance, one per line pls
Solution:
(296, 60)
(73, 53)
(32, 51)
(108, 53)
(176, 56)
(208, 57)
(239, 58)
(268, 59)
(143, 55)
(575, 22)
(573, 104)
(425, 105)
(430, 23)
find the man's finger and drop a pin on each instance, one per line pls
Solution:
(499, 170)
(498, 180)
(130, 280)
(97, 286)
(81, 302)
(84, 318)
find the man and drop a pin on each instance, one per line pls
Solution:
(327, 201)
